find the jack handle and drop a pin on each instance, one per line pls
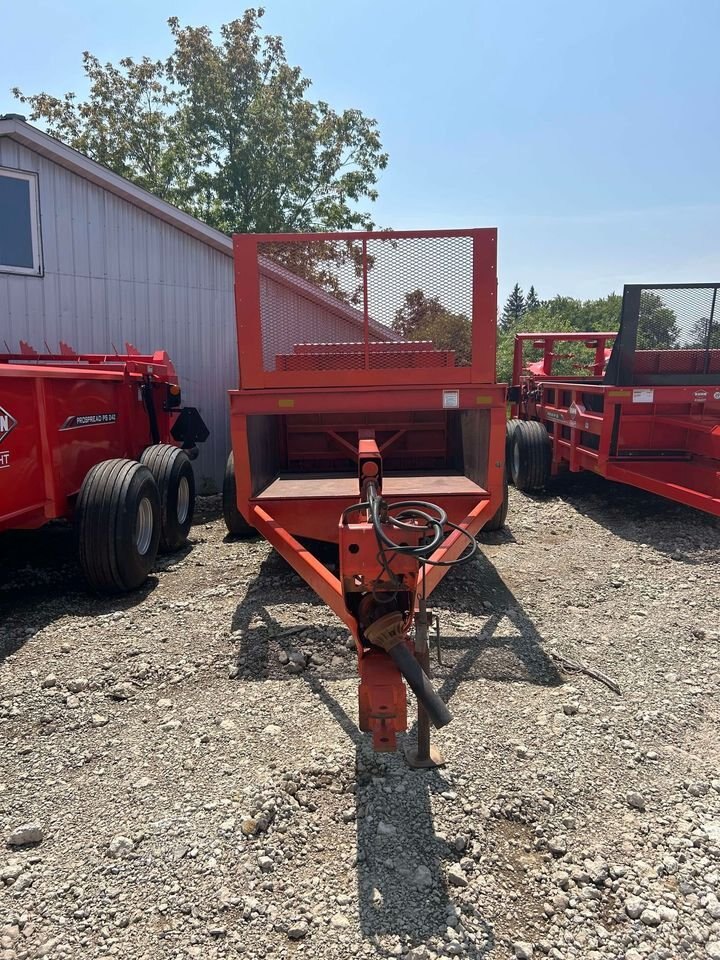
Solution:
(419, 683)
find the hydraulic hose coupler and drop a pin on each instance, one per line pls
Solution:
(387, 631)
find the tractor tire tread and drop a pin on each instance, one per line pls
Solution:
(102, 531)
(533, 444)
(168, 464)
(237, 525)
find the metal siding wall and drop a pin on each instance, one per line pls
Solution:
(296, 319)
(115, 273)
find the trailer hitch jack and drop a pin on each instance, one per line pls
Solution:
(423, 755)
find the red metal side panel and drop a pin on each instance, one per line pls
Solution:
(59, 416)
(22, 480)
(91, 421)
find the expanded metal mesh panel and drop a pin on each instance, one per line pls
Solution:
(668, 332)
(421, 289)
(366, 304)
(680, 320)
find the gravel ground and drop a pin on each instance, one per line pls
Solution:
(181, 774)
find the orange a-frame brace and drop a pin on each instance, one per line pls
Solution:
(310, 435)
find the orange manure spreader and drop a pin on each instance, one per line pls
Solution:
(368, 416)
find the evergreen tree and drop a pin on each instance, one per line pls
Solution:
(531, 301)
(514, 309)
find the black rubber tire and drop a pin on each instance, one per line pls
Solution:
(235, 522)
(106, 515)
(531, 455)
(497, 521)
(510, 426)
(173, 472)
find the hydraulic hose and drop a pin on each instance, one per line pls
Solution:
(419, 683)
(433, 518)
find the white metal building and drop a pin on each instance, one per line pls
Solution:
(89, 258)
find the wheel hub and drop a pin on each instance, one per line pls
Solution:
(144, 526)
(183, 500)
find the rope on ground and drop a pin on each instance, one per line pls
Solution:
(577, 666)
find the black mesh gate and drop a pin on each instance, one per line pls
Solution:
(669, 334)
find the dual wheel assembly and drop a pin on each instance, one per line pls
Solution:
(528, 454)
(127, 511)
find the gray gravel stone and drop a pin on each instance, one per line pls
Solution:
(523, 950)
(120, 846)
(26, 833)
(634, 906)
(456, 876)
(422, 878)
(635, 800)
(557, 846)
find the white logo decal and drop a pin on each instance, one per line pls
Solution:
(7, 423)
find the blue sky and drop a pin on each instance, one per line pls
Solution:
(589, 133)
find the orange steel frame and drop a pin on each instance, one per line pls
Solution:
(364, 392)
(669, 446)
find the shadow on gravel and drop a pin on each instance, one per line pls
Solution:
(41, 579)
(680, 532)
(507, 648)
(393, 900)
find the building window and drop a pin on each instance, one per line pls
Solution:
(20, 248)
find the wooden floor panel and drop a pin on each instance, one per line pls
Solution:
(420, 486)
(417, 486)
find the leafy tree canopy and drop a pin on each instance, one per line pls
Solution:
(657, 324)
(226, 131)
(425, 318)
(559, 315)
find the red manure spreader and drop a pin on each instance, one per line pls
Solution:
(368, 416)
(640, 406)
(96, 439)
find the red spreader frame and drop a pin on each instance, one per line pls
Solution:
(60, 414)
(640, 406)
(367, 380)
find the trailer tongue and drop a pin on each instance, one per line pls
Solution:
(352, 426)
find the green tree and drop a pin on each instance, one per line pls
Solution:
(700, 331)
(425, 318)
(226, 131)
(657, 324)
(559, 315)
(536, 322)
(600, 314)
(514, 309)
(531, 301)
